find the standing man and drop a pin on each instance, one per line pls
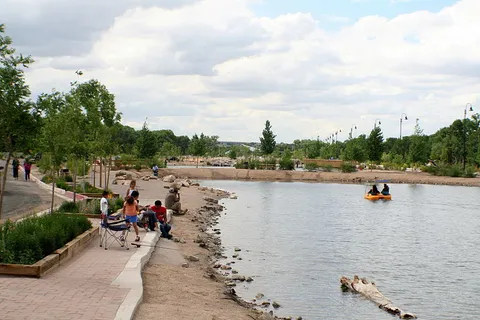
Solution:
(27, 166)
(15, 165)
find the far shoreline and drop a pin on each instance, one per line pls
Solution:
(359, 177)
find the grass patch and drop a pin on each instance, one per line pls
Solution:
(34, 238)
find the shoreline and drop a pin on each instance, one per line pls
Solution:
(198, 287)
(359, 177)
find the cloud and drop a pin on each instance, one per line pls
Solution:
(215, 66)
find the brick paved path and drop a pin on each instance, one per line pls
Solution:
(80, 289)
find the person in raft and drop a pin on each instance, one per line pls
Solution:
(385, 190)
(130, 209)
(374, 191)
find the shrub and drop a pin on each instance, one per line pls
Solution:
(310, 166)
(47, 179)
(68, 178)
(115, 204)
(33, 238)
(69, 207)
(61, 184)
(348, 167)
(138, 167)
(328, 168)
(470, 172)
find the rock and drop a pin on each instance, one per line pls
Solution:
(182, 240)
(230, 284)
(234, 271)
(193, 258)
(175, 239)
(249, 279)
(195, 184)
(237, 249)
(217, 265)
(114, 181)
(210, 200)
(146, 178)
(121, 173)
(299, 318)
(166, 186)
(235, 255)
(185, 265)
(170, 178)
(259, 296)
(276, 305)
(237, 277)
(224, 267)
(233, 196)
(120, 178)
(128, 176)
(265, 304)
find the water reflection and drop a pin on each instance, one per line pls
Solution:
(420, 248)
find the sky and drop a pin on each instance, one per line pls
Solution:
(224, 67)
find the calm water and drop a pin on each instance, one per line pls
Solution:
(297, 239)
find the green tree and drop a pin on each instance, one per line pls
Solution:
(198, 146)
(18, 116)
(356, 149)
(55, 138)
(375, 144)
(418, 151)
(267, 141)
(146, 146)
(169, 149)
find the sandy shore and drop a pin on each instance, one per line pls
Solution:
(197, 292)
(303, 176)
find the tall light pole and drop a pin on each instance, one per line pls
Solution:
(465, 133)
(375, 123)
(354, 127)
(336, 135)
(402, 117)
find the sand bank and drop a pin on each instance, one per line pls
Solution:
(303, 176)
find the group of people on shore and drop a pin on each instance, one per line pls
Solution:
(152, 216)
(27, 166)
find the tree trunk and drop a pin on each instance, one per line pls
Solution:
(4, 182)
(105, 173)
(109, 169)
(94, 171)
(100, 179)
(54, 181)
(369, 290)
(197, 161)
(75, 180)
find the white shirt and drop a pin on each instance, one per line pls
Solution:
(104, 206)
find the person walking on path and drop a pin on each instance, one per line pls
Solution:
(15, 165)
(27, 166)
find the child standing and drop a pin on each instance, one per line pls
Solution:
(27, 166)
(130, 209)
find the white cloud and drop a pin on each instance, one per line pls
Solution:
(214, 66)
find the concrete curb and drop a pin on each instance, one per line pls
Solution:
(45, 186)
(131, 277)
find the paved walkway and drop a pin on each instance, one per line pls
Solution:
(83, 288)
(80, 289)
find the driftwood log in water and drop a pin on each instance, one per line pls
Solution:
(370, 291)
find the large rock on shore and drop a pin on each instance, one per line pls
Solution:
(169, 179)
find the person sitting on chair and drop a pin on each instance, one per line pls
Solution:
(385, 190)
(374, 191)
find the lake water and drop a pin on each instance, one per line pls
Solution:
(422, 249)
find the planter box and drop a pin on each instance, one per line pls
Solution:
(99, 195)
(50, 262)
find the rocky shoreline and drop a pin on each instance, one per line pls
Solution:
(207, 218)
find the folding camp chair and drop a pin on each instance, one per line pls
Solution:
(113, 230)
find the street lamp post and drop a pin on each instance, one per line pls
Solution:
(336, 135)
(401, 122)
(465, 133)
(354, 127)
(375, 123)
